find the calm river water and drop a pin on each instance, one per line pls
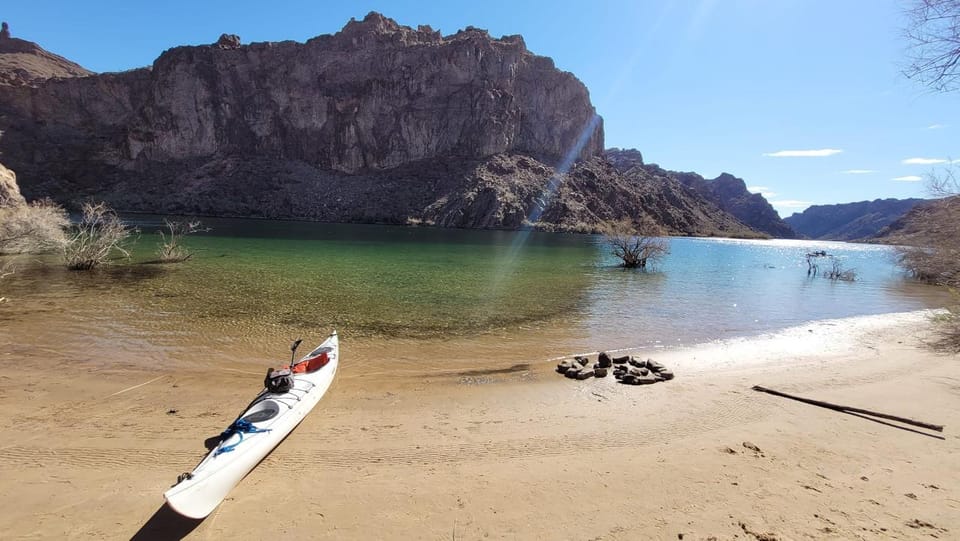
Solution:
(405, 296)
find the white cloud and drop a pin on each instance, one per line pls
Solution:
(819, 153)
(936, 126)
(762, 190)
(923, 161)
(858, 171)
(908, 178)
(791, 204)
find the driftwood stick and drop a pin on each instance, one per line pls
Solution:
(828, 405)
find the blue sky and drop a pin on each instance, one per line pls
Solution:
(702, 85)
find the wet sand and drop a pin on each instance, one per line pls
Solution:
(508, 449)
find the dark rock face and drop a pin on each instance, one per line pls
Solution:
(850, 221)
(372, 97)
(624, 159)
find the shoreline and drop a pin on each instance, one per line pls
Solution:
(519, 453)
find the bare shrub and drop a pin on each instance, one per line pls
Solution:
(99, 234)
(37, 227)
(945, 183)
(171, 248)
(934, 256)
(837, 272)
(636, 243)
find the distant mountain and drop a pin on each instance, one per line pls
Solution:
(850, 221)
(727, 192)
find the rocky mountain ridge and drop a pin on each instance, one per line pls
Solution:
(850, 221)
(376, 123)
(727, 192)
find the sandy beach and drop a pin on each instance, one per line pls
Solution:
(509, 450)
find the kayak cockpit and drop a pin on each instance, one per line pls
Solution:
(263, 411)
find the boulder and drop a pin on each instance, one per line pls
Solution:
(636, 362)
(649, 379)
(638, 371)
(9, 191)
(583, 361)
(621, 360)
(628, 379)
(586, 373)
(604, 360)
(654, 365)
(600, 372)
(228, 41)
(667, 375)
(572, 372)
(563, 366)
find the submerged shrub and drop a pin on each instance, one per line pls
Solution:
(636, 243)
(171, 248)
(99, 234)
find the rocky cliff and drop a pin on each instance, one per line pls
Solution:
(377, 123)
(850, 221)
(374, 96)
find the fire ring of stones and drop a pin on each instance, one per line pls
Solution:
(626, 369)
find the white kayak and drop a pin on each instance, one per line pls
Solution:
(260, 428)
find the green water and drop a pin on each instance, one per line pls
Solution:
(391, 285)
(364, 280)
(396, 293)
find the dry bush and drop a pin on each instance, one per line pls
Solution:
(636, 243)
(95, 238)
(171, 248)
(935, 255)
(37, 227)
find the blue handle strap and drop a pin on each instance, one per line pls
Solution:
(239, 427)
